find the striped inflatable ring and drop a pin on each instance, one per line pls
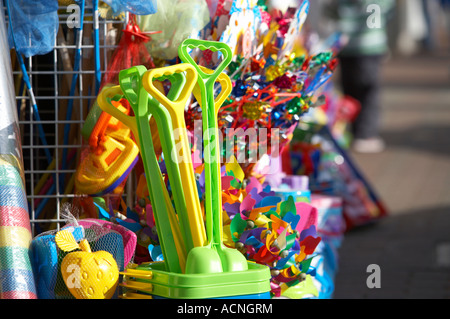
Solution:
(14, 258)
(9, 175)
(15, 236)
(13, 196)
(14, 216)
(18, 295)
(17, 280)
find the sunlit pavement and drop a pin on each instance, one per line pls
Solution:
(412, 177)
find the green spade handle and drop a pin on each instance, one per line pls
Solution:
(131, 85)
(206, 81)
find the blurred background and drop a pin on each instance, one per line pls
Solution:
(412, 174)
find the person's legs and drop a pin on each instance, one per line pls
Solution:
(447, 19)
(361, 80)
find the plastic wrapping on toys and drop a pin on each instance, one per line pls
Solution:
(113, 244)
(16, 276)
(361, 203)
(295, 186)
(35, 23)
(107, 161)
(131, 51)
(140, 7)
(334, 173)
(212, 6)
(331, 223)
(178, 20)
(331, 227)
(325, 270)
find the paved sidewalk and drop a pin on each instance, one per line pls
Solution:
(412, 176)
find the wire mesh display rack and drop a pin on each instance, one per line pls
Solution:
(49, 181)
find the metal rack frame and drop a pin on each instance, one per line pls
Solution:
(47, 75)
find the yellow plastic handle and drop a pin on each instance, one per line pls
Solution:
(175, 108)
(183, 154)
(130, 121)
(179, 104)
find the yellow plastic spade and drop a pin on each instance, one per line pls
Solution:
(172, 246)
(181, 153)
(167, 141)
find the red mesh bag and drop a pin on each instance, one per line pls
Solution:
(131, 51)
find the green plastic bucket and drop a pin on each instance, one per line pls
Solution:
(252, 282)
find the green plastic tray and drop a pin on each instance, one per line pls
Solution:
(255, 280)
(212, 291)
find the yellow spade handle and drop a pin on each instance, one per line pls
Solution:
(226, 87)
(182, 148)
(130, 121)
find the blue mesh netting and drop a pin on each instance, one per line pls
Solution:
(138, 7)
(35, 23)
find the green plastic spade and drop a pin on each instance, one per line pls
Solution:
(166, 134)
(231, 259)
(168, 229)
(180, 154)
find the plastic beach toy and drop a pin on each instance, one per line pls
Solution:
(219, 258)
(167, 226)
(191, 218)
(167, 141)
(87, 274)
(153, 280)
(153, 108)
(112, 155)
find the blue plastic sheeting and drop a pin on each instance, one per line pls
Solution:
(34, 23)
(139, 7)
